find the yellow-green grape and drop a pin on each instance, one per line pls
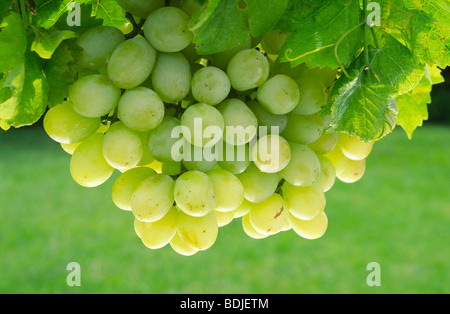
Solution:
(314, 95)
(70, 148)
(66, 126)
(195, 194)
(269, 216)
(160, 140)
(196, 160)
(304, 167)
(156, 235)
(248, 69)
(122, 147)
(131, 63)
(222, 59)
(303, 129)
(273, 41)
(190, 6)
(141, 109)
(138, 227)
(141, 8)
(234, 159)
(153, 198)
(327, 176)
(210, 85)
(229, 190)
(224, 218)
(353, 147)
(147, 157)
(180, 246)
(98, 43)
(198, 232)
(325, 143)
(310, 229)
(287, 226)
(167, 29)
(353, 172)
(271, 153)
(258, 185)
(244, 209)
(279, 95)
(304, 202)
(127, 183)
(94, 96)
(338, 159)
(275, 123)
(88, 166)
(250, 230)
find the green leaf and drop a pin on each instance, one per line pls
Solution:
(109, 11)
(49, 11)
(11, 91)
(4, 8)
(13, 42)
(46, 41)
(87, 20)
(263, 15)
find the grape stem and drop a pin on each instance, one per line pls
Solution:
(137, 27)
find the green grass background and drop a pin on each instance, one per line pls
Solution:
(398, 215)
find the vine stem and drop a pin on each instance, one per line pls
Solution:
(23, 11)
(337, 46)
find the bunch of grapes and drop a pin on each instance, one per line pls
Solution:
(202, 140)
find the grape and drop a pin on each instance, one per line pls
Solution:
(190, 6)
(258, 186)
(147, 157)
(94, 96)
(327, 173)
(171, 168)
(313, 96)
(273, 41)
(70, 148)
(222, 59)
(271, 153)
(274, 123)
(353, 147)
(303, 129)
(304, 167)
(235, 159)
(160, 140)
(269, 216)
(310, 229)
(244, 209)
(98, 43)
(304, 202)
(224, 218)
(250, 230)
(248, 69)
(196, 160)
(195, 194)
(66, 126)
(158, 234)
(198, 232)
(353, 172)
(325, 143)
(171, 77)
(241, 123)
(126, 184)
(122, 147)
(131, 63)
(338, 159)
(141, 109)
(196, 119)
(167, 29)
(88, 166)
(210, 85)
(229, 190)
(180, 246)
(279, 95)
(141, 8)
(153, 198)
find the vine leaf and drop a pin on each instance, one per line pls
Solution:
(46, 41)
(13, 42)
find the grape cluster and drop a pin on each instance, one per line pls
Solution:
(202, 140)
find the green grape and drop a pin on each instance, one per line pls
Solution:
(191, 54)
(196, 160)
(304, 202)
(190, 6)
(147, 157)
(326, 75)
(122, 147)
(161, 141)
(304, 167)
(250, 230)
(274, 123)
(126, 184)
(241, 123)
(141, 109)
(141, 8)
(327, 176)
(353, 147)
(167, 29)
(88, 166)
(171, 168)
(310, 229)
(131, 63)
(273, 41)
(94, 96)
(353, 172)
(248, 69)
(64, 125)
(258, 185)
(156, 235)
(279, 95)
(153, 198)
(98, 43)
(224, 218)
(313, 96)
(269, 217)
(180, 246)
(234, 159)
(303, 129)
(210, 85)
(171, 77)
(222, 59)
(199, 233)
(195, 194)
(338, 159)
(199, 117)
(271, 153)
(229, 190)
(325, 143)
(286, 69)
(70, 148)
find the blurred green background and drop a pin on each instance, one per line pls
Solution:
(398, 215)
